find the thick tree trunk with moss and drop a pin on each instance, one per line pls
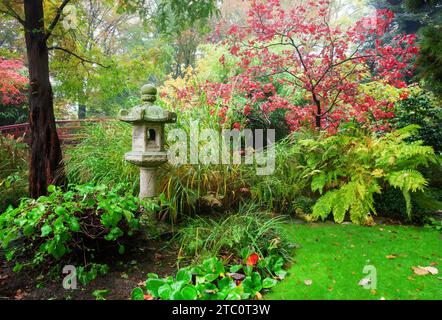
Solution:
(46, 160)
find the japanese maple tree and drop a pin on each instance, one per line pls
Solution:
(12, 82)
(302, 49)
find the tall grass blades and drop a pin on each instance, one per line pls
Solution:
(14, 156)
(99, 157)
(229, 235)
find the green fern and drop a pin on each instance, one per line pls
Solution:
(347, 170)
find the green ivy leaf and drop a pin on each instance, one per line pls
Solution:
(235, 268)
(152, 285)
(46, 230)
(189, 292)
(137, 294)
(268, 283)
(17, 267)
(184, 275)
(165, 291)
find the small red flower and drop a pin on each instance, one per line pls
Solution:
(252, 259)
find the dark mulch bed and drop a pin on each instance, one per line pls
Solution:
(125, 273)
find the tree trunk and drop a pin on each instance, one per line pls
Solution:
(46, 165)
(318, 112)
(81, 111)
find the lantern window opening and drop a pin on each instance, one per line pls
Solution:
(151, 135)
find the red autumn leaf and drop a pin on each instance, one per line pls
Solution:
(148, 297)
(252, 259)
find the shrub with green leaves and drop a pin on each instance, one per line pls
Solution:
(347, 169)
(421, 109)
(211, 280)
(64, 223)
(230, 234)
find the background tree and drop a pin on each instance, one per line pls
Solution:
(40, 20)
(46, 156)
(430, 35)
(11, 41)
(13, 84)
(423, 18)
(302, 49)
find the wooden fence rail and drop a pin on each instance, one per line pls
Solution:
(68, 130)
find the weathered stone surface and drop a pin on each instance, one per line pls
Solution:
(148, 177)
(146, 159)
(147, 113)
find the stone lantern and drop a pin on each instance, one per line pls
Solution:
(148, 152)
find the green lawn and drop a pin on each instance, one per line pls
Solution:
(333, 257)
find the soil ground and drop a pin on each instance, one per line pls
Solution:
(125, 273)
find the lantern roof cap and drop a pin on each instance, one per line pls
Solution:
(147, 112)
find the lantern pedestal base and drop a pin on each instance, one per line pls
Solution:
(148, 180)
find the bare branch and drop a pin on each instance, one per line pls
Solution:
(77, 56)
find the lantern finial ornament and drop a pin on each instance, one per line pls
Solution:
(147, 152)
(148, 93)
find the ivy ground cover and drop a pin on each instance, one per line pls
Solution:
(330, 260)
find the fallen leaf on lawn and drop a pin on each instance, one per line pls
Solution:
(373, 291)
(308, 282)
(420, 271)
(433, 263)
(432, 270)
(258, 296)
(391, 256)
